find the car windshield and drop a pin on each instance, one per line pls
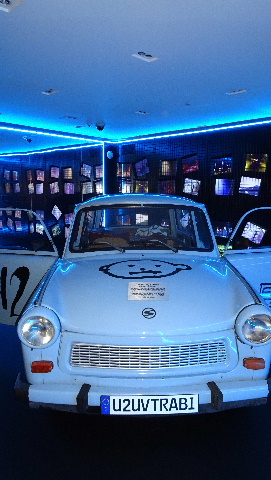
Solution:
(140, 227)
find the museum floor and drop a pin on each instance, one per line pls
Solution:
(41, 445)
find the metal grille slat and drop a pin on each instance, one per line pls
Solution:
(147, 357)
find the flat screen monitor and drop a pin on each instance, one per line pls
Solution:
(250, 186)
(253, 232)
(224, 186)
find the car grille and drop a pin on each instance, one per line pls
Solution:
(148, 357)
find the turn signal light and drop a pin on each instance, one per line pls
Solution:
(42, 366)
(254, 363)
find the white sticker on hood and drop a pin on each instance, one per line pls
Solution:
(147, 291)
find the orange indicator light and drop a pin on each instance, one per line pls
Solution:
(254, 363)
(42, 366)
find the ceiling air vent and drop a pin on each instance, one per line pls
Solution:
(144, 56)
(8, 5)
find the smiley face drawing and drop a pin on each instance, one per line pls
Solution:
(139, 269)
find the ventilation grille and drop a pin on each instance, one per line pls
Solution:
(125, 357)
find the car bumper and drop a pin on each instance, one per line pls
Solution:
(213, 397)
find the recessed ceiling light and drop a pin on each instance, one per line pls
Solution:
(51, 91)
(147, 57)
(236, 92)
(8, 5)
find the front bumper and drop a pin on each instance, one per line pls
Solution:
(213, 397)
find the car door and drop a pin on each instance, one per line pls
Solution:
(26, 253)
(249, 250)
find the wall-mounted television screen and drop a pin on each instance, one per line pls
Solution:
(67, 173)
(6, 174)
(40, 175)
(256, 163)
(168, 167)
(190, 164)
(124, 169)
(191, 186)
(142, 167)
(69, 188)
(99, 171)
(31, 188)
(18, 226)
(166, 187)
(54, 187)
(86, 170)
(142, 186)
(39, 188)
(39, 228)
(224, 186)
(86, 188)
(253, 232)
(222, 229)
(15, 175)
(99, 187)
(125, 186)
(250, 186)
(54, 172)
(222, 165)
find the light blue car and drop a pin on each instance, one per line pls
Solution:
(142, 315)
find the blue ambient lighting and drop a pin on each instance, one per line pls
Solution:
(48, 134)
(77, 147)
(193, 132)
(103, 161)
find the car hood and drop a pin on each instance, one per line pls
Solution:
(126, 294)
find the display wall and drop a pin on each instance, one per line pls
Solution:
(228, 170)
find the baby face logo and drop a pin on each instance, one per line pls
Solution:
(139, 269)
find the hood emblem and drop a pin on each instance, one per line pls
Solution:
(148, 313)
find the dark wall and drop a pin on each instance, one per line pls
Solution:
(138, 167)
(23, 177)
(208, 147)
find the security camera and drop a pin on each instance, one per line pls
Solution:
(100, 126)
(29, 140)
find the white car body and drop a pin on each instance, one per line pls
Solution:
(145, 328)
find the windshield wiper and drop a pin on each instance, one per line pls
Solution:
(120, 249)
(175, 250)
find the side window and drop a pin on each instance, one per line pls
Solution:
(253, 232)
(22, 230)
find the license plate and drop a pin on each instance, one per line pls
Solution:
(149, 405)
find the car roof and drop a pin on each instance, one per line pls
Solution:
(134, 198)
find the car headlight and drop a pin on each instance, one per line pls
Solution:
(254, 328)
(257, 329)
(38, 331)
(39, 327)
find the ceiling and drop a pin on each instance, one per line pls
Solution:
(213, 68)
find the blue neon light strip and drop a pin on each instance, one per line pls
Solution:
(103, 164)
(193, 132)
(130, 140)
(77, 147)
(48, 134)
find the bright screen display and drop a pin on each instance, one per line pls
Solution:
(250, 186)
(253, 232)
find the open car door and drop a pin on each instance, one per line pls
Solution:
(26, 254)
(249, 250)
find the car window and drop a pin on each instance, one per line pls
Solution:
(144, 227)
(22, 230)
(254, 231)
